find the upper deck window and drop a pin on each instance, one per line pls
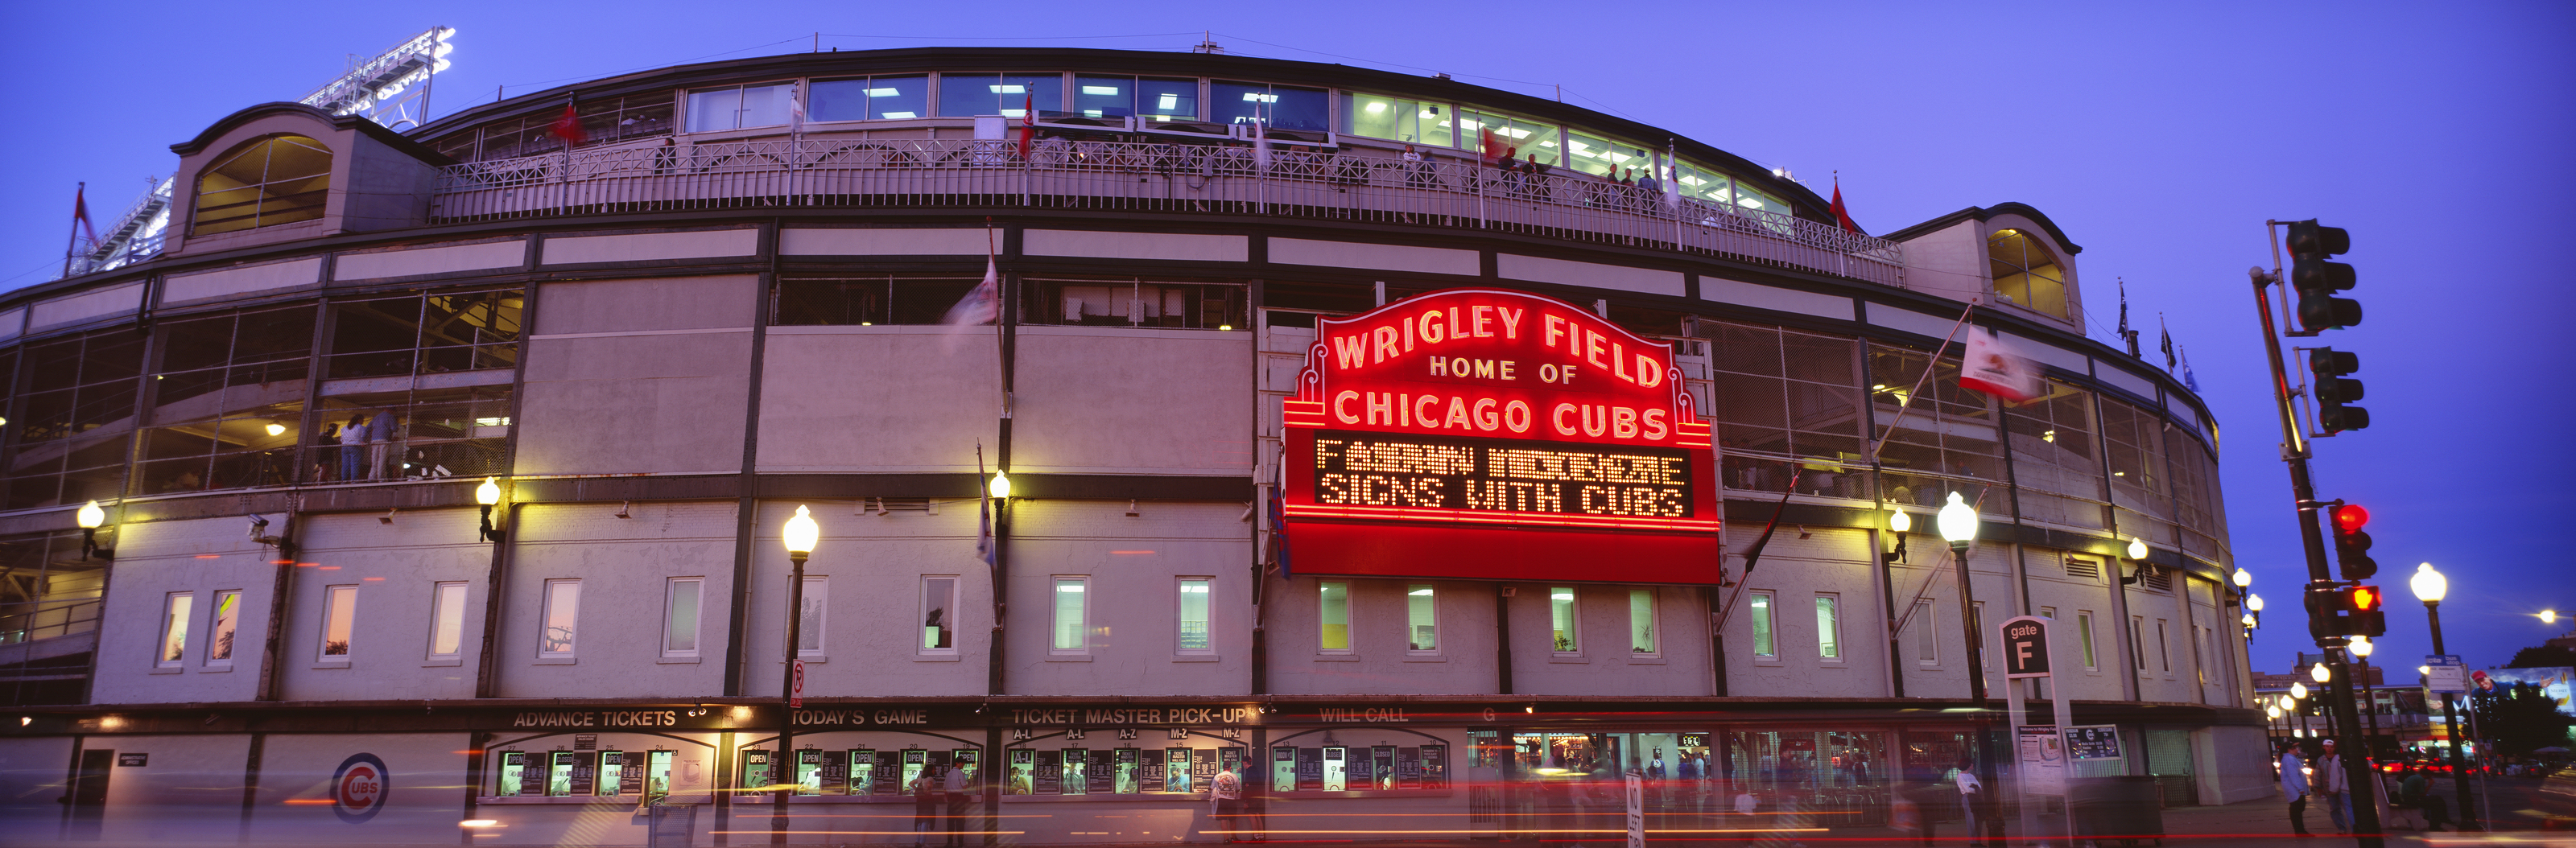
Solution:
(968, 95)
(1155, 98)
(870, 98)
(2026, 272)
(1409, 121)
(739, 107)
(279, 179)
(1286, 108)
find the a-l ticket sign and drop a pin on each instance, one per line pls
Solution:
(1497, 435)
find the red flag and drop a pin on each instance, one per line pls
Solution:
(568, 127)
(1841, 215)
(80, 214)
(1491, 149)
(1028, 124)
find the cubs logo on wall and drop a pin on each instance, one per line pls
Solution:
(358, 788)
(1496, 435)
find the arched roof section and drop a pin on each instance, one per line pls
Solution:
(328, 123)
(1987, 213)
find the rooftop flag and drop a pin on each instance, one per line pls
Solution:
(568, 127)
(1842, 214)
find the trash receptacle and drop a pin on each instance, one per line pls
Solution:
(2129, 808)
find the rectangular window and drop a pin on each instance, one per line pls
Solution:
(219, 645)
(447, 621)
(682, 597)
(1829, 628)
(1641, 622)
(1174, 99)
(1282, 107)
(1411, 121)
(2084, 637)
(1977, 625)
(562, 617)
(739, 107)
(2137, 641)
(2196, 631)
(1765, 643)
(809, 631)
(174, 629)
(1927, 648)
(2164, 652)
(1561, 620)
(1070, 636)
(2049, 613)
(869, 98)
(339, 622)
(1334, 599)
(1192, 636)
(938, 614)
(1422, 618)
(1007, 95)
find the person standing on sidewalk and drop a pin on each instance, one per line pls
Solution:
(1973, 808)
(2295, 785)
(955, 785)
(2334, 788)
(1225, 802)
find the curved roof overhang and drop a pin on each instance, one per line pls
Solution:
(337, 122)
(1987, 213)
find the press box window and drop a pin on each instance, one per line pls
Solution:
(561, 619)
(1334, 626)
(1007, 95)
(739, 107)
(682, 599)
(1119, 97)
(1139, 303)
(339, 622)
(1193, 637)
(1561, 621)
(938, 615)
(868, 301)
(1071, 604)
(1422, 618)
(869, 98)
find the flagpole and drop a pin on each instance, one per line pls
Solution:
(1933, 365)
(71, 239)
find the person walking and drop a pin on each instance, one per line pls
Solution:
(925, 807)
(955, 784)
(2295, 785)
(1225, 803)
(2333, 788)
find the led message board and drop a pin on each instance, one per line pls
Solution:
(1487, 434)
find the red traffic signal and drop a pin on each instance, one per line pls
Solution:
(2346, 611)
(2350, 517)
(2352, 547)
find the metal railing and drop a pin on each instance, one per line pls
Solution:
(1133, 177)
(27, 621)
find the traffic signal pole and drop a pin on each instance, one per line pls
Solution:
(2294, 451)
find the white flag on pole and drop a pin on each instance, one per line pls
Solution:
(1995, 368)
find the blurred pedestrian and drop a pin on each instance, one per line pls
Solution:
(2294, 784)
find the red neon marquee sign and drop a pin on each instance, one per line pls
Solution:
(1496, 434)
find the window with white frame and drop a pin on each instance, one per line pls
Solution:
(1563, 628)
(2084, 638)
(219, 640)
(809, 632)
(683, 600)
(1927, 648)
(339, 622)
(1829, 627)
(1641, 623)
(1422, 618)
(739, 107)
(938, 615)
(2137, 641)
(1191, 635)
(2164, 648)
(447, 621)
(175, 611)
(1072, 603)
(2049, 613)
(560, 619)
(1333, 624)
(1766, 642)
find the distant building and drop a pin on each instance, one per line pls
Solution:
(1511, 410)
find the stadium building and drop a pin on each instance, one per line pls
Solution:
(1411, 482)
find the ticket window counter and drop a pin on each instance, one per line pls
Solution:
(612, 778)
(809, 771)
(657, 775)
(514, 776)
(562, 768)
(756, 773)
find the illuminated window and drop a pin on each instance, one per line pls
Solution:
(1412, 121)
(869, 98)
(2026, 272)
(280, 179)
(1286, 108)
(938, 614)
(174, 629)
(339, 622)
(1561, 621)
(1334, 599)
(2084, 637)
(1526, 139)
(1765, 637)
(682, 600)
(1641, 622)
(562, 617)
(1007, 95)
(1422, 618)
(1193, 637)
(447, 621)
(1071, 602)
(1829, 628)
(219, 642)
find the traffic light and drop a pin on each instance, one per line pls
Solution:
(2334, 390)
(2352, 547)
(2346, 611)
(2317, 279)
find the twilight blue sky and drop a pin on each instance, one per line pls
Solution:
(2160, 136)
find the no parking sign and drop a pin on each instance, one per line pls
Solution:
(358, 789)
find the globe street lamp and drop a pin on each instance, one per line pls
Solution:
(90, 518)
(2361, 648)
(2430, 586)
(799, 536)
(1957, 522)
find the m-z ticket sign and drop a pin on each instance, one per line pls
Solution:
(1488, 434)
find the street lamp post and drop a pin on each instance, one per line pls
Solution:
(799, 535)
(1957, 522)
(2361, 649)
(2430, 586)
